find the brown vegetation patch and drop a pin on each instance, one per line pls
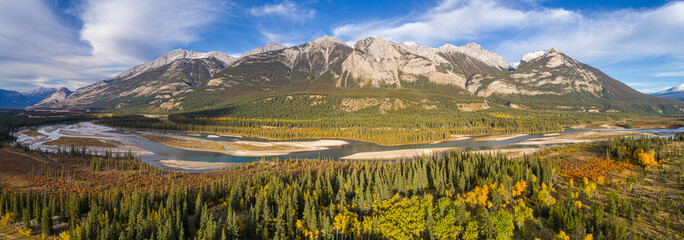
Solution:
(470, 107)
(653, 124)
(32, 133)
(386, 104)
(79, 141)
(592, 168)
(249, 147)
(186, 143)
(584, 160)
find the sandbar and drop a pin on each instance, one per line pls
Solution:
(582, 137)
(500, 137)
(510, 152)
(394, 154)
(193, 165)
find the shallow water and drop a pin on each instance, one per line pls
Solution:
(163, 152)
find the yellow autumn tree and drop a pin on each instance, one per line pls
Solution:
(543, 196)
(519, 188)
(346, 222)
(403, 218)
(561, 236)
(479, 196)
(646, 159)
(521, 213)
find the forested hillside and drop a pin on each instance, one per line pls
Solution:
(456, 196)
(397, 116)
(549, 81)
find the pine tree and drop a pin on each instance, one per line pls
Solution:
(46, 222)
(26, 217)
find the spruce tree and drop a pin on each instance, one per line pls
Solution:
(46, 222)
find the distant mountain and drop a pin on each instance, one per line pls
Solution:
(549, 73)
(39, 94)
(544, 80)
(13, 99)
(272, 46)
(172, 56)
(676, 92)
(55, 98)
(295, 68)
(146, 84)
(378, 62)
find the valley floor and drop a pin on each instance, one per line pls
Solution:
(634, 196)
(101, 140)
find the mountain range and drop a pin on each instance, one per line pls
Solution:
(16, 100)
(184, 80)
(676, 92)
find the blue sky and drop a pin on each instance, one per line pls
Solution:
(54, 43)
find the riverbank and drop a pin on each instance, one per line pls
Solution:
(96, 139)
(180, 165)
(394, 154)
(582, 137)
(242, 148)
(156, 146)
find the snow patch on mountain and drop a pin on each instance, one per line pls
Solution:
(272, 46)
(472, 49)
(425, 51)
(37, 95)
(173, 56)
(58, 96)
(527, 57)
(678, 88)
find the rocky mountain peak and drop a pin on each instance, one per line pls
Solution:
(40, 90)
(39, 94)
(186, 54)
(676, 92)
(410, 44)
(57, 97)
(476, 51)
(327, 40)
(473, 46)
(527, 57)
(425, 51)
(448, 47)
(272, 46)
(378, 48)
(173, 56)
(377, 61)
(678, 88)
(316, 56)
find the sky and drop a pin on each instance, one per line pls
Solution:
(61, 43)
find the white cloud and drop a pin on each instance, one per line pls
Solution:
(39, 51)
(670, 74)
(603, 37)
(453, 21)
(287, 39)
(126, 30)
(614, 36)
(285, 9)
(637, 84)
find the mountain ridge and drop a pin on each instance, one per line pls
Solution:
(37, 95)
(13, 100)
(59, 95)
(327, 64)
(676, 92)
